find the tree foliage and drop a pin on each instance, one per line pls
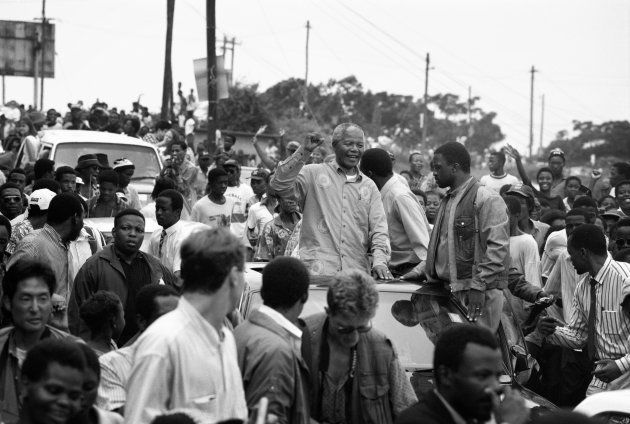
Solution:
(610, 138)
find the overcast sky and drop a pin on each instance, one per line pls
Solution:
(114, 50)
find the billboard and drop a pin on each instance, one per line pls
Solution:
(201, 78)
(18, 41)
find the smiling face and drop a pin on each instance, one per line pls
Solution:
(416, 163)
(623, 196)
(544, 181)
(31, 305)
(56, 397)
(349, 149)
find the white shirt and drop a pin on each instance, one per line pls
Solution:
(181, 361)
(175, 236)
(281, 320)
(495, 183)
(524, 257)
(257, 217)
(189, 126)
(562, 282)
(556, 243)
(240, 194)
(115, 370)
(212, 214)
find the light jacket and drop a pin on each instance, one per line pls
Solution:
(478, 239)
(272, 366)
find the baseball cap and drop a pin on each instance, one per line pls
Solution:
(204, 154)
(612, 213)
(41, 198)
(521, 190)
(556, 152)
(232, 162)
(123, 163)
(79, 181)
(260, 174)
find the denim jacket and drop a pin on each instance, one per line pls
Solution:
(478, 239)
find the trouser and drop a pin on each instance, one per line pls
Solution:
(576, 376)
(548, 381)
(493, 305)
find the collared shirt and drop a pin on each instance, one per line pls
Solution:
(612, 325)
(175, 236)
(343, 221)
(274, 239)
(18, 233)
(407, 223)
(281, 321)
(562, 282)
(539, 232)
(457, 418)
(441, 255)
(182, 361)
(115, 370)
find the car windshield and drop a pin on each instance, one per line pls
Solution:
(412, 321)
(143, 157)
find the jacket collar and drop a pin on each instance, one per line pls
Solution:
(264, 317)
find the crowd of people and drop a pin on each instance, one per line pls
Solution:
(104, 330)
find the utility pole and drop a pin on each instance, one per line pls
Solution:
(233, 42)
(211, 65)
(36, 47)
(167, 84)
(531, 112)
(470, 128)
(308, 34)
(426, 99)
(542, 120)
(43, 48)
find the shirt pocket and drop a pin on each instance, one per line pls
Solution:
(374, 391)
(464, 227)
(611, 322)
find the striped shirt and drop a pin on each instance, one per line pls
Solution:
(612, 325)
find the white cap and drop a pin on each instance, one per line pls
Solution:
(123, 163)
(79, 181)
(41, 198)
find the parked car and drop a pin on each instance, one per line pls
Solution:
(607, 407)
(65, 146)
(412, 316)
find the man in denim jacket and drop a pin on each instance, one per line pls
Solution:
(469, 247)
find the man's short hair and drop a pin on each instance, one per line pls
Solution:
(145, 304)
(161, 184)
(108, 176)
(163, 125)
(126, 212)
(48, 351)
(180, 143)
(5, 186)
(544, 169)
(623, 169)
(177, 200)
(98, 309)
(500, 155)
(589, 237)
(284, 282)
(24, 269)
(51, 185)
(513, 204)
(16, 171)
(451, 344)
(619, 184)
(341, 131)
(215, 173)
(454, 152)
(623, 222)
(585, 202)
(376, 161)
(551, 215)
(353, 292)
(208, 257)
(62, 207)
(42, 167)
(4, 222)
(572, 178)
(63, 170)
(588, 216)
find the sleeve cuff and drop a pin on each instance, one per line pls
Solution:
(623, 363)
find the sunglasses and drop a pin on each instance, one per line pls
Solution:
(622, 242)
(15, 199)
(349, 330)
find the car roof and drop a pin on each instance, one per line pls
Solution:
(81, 136)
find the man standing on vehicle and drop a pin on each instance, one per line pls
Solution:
(186, 172)
(241, 194)
(466, 365)
(343, 217)
(67, 179)
(88, 168)
(468, 251)
(407, 224)
(125, 169)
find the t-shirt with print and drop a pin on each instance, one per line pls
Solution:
(240, 195)
(212, 214)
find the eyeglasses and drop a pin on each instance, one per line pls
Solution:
(621, 242)
(348, 330)
(14, 199)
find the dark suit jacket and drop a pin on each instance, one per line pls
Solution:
(430, 410)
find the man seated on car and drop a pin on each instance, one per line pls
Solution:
(125, 170)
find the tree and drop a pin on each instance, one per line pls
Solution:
(610, 138)
(244, 110)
